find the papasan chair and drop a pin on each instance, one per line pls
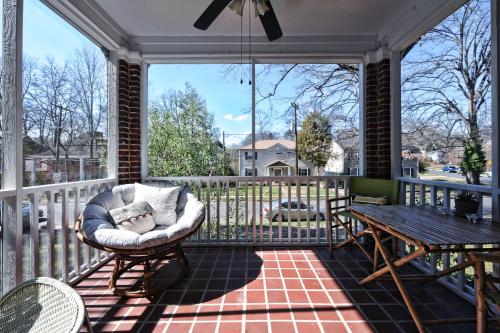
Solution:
(97, 227)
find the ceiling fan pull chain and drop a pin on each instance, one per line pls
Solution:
(250, 42)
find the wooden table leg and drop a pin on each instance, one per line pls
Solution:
(397, 280)
(398, 263)
(481, 306)
(353, 237)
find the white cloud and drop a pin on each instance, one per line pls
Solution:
(240, 118)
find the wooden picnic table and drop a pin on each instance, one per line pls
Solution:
(430, 232)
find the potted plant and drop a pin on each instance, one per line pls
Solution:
(466, 203)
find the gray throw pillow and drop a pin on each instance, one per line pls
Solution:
(163, 201)
(136, 217)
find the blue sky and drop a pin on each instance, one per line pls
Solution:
(48, 35)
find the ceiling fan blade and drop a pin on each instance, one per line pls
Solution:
(211, 13)
(271, 24)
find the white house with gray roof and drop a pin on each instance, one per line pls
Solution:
(274, 158)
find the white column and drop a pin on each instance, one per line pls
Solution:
(113, 115)
(12, 139)
(362, 122)
(395, 114)
(144, 120)
(495, 120)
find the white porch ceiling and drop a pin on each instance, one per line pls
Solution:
(337, 28)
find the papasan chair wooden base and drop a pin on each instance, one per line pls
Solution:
(125, 262)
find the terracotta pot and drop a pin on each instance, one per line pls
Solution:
(463, 207)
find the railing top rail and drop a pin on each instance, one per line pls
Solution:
(443, 184)
(243, 178)
(7, 193)
(60, 186)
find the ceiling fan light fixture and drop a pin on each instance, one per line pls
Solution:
(261, 7)
(237, 6)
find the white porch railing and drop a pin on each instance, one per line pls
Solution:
(437, 193)
(49, 243)
(255, 210)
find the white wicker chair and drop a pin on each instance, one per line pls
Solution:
(42, 305)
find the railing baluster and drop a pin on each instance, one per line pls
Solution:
(51, 265)
(336, 203)
(228, 235)
(433, 196)
(64, 235)
(412, 194)
(327, 197)
(88, 251)
(208, 217)
(270, 211)
(217, 210)
(246, 212)
(76, 242)
(422, 194)
(289, 184)
(280, 214)
(299, 213)
(237, 209)
(35, 236)
(200, 230)
(308, 195)
(318, 190)
(260, 212)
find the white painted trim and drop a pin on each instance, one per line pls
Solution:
(362, 120)
(132, 57)
(12, 140)
(377, 55)
(345, 46)
(258, 57)
(395, 82)
(495, 113)
(144, 120)
(88, 17)
(113, 115)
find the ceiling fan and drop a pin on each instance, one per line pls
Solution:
(263, 9)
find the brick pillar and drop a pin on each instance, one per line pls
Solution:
(378, 120)
(129, 122)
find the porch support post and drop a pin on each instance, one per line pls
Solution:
(113, 115)
(377, 115)
(362, 122)
(12, 141)
(144, 120)
(396, 114)
(495, 119)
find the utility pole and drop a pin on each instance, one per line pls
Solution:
(295, 107)
(224, 152)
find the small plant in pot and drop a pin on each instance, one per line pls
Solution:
(466, 203)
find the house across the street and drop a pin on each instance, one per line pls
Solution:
(277, 158)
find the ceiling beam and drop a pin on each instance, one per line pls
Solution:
(227, 46)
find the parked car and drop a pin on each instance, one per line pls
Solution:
(294, 211)
(451, 168)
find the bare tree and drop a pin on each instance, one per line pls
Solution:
(88, 80)
(446, 84)
(53, 96)
(331, 89)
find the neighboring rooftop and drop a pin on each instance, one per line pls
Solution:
(266, 144)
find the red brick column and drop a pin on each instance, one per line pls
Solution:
(129, 122)
(378, 120)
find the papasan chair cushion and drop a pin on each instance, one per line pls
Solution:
(99, 228)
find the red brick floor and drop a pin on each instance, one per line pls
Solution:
(270, 290)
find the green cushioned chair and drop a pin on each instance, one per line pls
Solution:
(361, 191)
